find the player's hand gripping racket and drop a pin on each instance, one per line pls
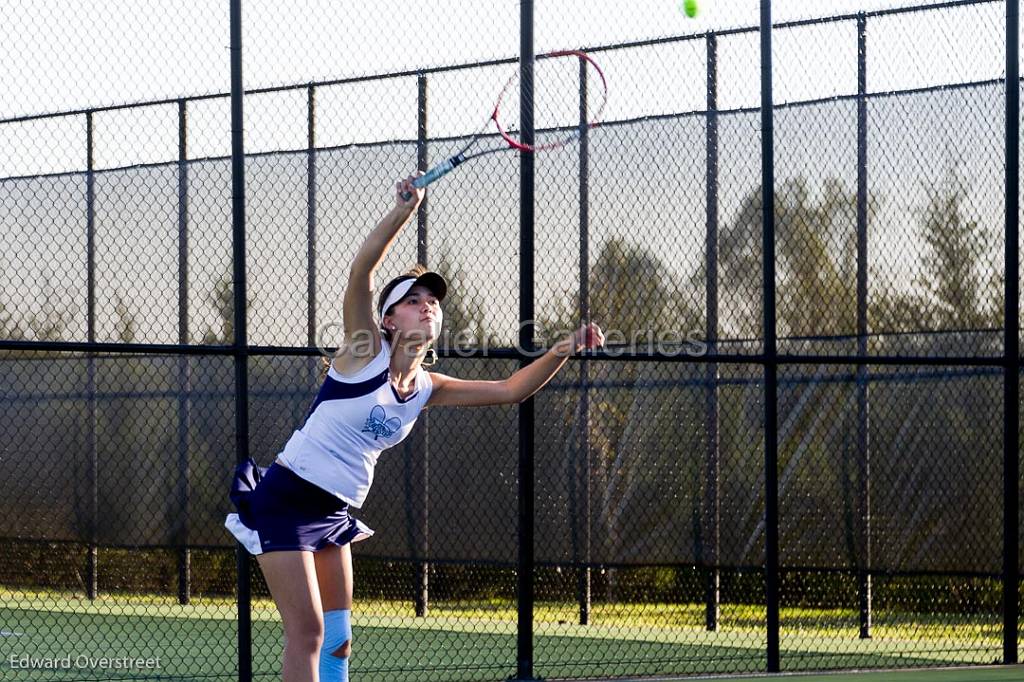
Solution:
(569, 96)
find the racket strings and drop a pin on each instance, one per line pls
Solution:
(569, 91)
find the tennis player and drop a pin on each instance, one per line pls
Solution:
(295, 516)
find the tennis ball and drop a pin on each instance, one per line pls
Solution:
(690, 7)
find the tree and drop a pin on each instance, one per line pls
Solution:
(50, 323)
(637, 439)
(464, 321)
(815, 255)
(125, 326)
(953, 268)
(10, 329)
(222, 299)
(956, 289)
(815, 262)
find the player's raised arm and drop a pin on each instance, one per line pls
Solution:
(358, 303)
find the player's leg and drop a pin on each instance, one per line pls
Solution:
(334, 576)
(291, 577)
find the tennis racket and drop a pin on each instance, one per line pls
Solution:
(570, 93)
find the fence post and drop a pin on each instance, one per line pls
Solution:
(241, 351)
(422, 580)
(311, 208)
(92, 571)
(184, 365)
(863, 406)
(311, 340)
(712, 503)
(771, 460)
(1011, 345)
(582, 517)
(525, 573)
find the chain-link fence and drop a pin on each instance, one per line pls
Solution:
(798, 451)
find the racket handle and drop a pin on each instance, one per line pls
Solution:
(434, 173)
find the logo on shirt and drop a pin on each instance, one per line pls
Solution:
(378, 424)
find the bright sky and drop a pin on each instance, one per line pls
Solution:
(63, 56)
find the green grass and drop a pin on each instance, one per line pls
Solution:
(978, 674)
(477, 640)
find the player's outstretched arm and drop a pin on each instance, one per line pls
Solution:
(523, 383)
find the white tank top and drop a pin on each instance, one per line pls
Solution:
(352, 420)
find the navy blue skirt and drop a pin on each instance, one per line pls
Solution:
(280, 511)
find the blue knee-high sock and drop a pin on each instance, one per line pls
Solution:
(337, 631)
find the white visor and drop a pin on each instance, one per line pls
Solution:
(431, 280)
(397, 294)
